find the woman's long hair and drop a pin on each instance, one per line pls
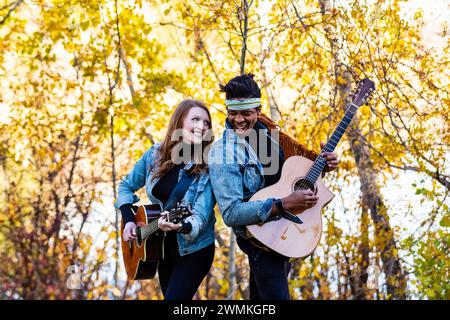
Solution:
(165, 162)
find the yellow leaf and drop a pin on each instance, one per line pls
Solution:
(341, 80)
(116, 292)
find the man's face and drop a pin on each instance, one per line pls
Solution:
(243, 120)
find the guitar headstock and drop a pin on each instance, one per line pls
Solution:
(179, 212)
(363, 92)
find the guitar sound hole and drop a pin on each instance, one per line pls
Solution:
(303, 184)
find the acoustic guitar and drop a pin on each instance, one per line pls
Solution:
(141, 256)
(286, 237)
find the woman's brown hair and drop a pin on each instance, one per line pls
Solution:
(165, 162)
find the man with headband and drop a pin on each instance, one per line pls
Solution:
(246, 159)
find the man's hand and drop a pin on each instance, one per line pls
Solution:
(129, 232)
(331, 157)
(300, 199)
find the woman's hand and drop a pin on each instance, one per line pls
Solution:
(129, 232)
(166, 225)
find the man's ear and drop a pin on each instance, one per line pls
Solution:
(258, 112)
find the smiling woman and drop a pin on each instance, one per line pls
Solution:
(188, 245)
(190, 124)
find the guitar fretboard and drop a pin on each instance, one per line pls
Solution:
(320, 162)
(152, 227)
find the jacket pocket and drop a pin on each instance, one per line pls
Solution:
(194, 190)
(252, 177)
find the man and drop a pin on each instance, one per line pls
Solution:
(246, 159)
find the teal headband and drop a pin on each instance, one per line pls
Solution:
(243, 104)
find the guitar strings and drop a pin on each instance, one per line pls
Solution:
(304, 184)
(150, 226)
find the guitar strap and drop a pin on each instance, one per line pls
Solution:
(179, 191)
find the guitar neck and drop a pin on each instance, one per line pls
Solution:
(149, 229)
(152, 227)
(320, 162)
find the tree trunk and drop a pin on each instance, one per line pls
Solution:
(373, 202)
(370, 190)
(363, 251)
(232, 267)
(243, 18)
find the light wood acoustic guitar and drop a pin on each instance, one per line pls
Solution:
(297, 240)
(141, 256)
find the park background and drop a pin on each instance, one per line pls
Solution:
(87, 86)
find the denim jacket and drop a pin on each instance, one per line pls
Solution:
(236, 175)
(199, 195)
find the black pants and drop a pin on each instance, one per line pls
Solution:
(268, 272)
(180, 276)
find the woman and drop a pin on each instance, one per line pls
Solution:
(189, 245)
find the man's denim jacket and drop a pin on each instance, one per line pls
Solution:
(236, 175)
(199, 195)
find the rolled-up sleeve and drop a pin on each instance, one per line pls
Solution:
(227, 183)
(202, 210)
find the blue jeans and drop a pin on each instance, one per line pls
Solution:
(268, 272)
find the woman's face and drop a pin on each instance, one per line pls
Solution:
(195, 125)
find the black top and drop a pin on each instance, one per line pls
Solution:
(270, 148)
(127, 213)
(162, 190)
(166, 184)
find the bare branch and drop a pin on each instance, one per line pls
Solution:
(12, 6)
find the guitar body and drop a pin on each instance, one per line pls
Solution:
(286, 237)
(141, 257)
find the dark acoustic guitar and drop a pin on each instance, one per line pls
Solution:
(141, 256)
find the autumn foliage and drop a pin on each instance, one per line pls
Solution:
(87, 86)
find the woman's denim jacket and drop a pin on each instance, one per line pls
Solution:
(236, 175)
(199, 195)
